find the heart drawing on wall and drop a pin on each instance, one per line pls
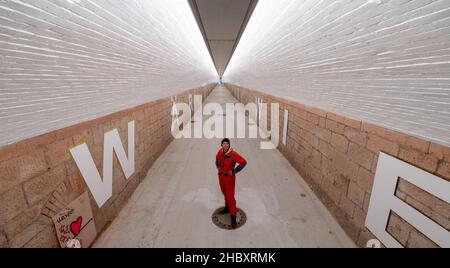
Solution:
(75, 226)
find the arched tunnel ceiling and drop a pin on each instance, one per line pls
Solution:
(68, 61)
(222, 23)
(386, 62)
(382, 61)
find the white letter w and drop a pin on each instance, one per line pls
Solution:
(100, 188)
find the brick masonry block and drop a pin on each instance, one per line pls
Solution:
(339, 142)
(27, 235)
(366, 202)
(421, 160)
(26, 146)
(398, 228)
(316, 158)
(306, 125)
(322, 122)
(323, 134)
(335, 126)
(41, 186)
(365, 179)
(341, 182)
(377, 144)
(12, 202)
(400, 138)
(355, 136)
(21, 221)
(437, 205)
(347, 206)
(360, 155)
(313, 118)
(374, 164)
(3, 240)
(312, 140)
(351, 170)
(333, 192)
(415, 143)
(46, 238)
(356, 194)
(326, 149)
(58, 151)
(327, 169)
(20, 169)
(418, 240)
(339, 160)
(440, 151)
(359, 217)
(444, 170)
(429, 210)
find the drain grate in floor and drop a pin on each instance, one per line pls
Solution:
(224, 221)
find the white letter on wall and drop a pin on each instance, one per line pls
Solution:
(285, 126)
(383, 200)
(100, 188)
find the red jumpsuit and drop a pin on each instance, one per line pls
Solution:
(224, 164)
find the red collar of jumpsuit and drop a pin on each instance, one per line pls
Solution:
(226, 163)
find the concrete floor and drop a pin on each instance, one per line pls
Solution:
(173, 205)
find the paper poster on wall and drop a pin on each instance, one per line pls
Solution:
(76, 222)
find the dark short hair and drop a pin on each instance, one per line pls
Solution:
(225, 140)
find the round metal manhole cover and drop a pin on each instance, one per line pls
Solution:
(224, 220)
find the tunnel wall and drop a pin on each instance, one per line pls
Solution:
(66, 62)
(384, 62)
(337, 156)
(38, 176)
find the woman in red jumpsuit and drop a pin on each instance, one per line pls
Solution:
(226, 160)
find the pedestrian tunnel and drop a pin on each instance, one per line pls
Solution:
(113, 115)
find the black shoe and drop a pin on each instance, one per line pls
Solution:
(233, 222)
(225, 210)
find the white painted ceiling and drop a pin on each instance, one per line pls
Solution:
(222, 22)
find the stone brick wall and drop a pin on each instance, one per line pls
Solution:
(337, 156)
(38, 176)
